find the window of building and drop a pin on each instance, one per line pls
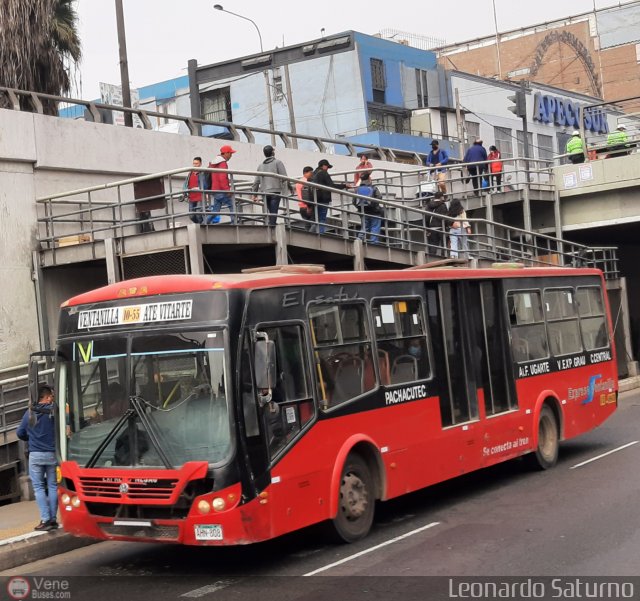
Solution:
(390, 121)
(562, 317)
(473, 131)
(403, 354)
(593, 323)
(342, 352)
(422, 89)
(444, 124)
(504, 141)
(216, 105)
(545, 147)
(378, 80)
(562, 143)
(521, 149)
(528, 333)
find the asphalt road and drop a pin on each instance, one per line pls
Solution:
(572, 521)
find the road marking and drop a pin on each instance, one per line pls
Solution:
(206, 590)
(624, 446)
(21, 537)
(361, 553)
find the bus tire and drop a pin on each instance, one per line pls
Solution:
(546, 454)
(356, 502)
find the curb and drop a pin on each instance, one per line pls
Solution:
(40, 547)
(629, 384)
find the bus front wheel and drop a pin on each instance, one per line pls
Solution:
(546, 454)
(356, 501)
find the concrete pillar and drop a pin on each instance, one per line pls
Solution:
(358, 255)
(111, 258)
(281, 244)
(196, 260)
(421, 257)
(632, 365)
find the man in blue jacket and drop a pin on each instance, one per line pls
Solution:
(438, 158)
(476, 154)
(38, 429)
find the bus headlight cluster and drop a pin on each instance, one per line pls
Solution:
(204, 507)
(69, 500)
(218, 504)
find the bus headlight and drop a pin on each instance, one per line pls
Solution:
(75, 501)
(219, 504)
(65, 499)
(204, 507)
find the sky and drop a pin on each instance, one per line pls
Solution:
(163, 36)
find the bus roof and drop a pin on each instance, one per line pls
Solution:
(172, 284)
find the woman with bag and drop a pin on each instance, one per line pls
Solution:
(459, 230)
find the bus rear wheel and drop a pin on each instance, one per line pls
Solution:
(546, 454)
(356, 502)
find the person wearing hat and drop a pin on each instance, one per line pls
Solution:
(323, 197)
(438, 158)
(575, 148)
(38, 429)
(617, 142)
(221, 187)
(271, 187)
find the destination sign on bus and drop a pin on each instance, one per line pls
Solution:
(147, 313)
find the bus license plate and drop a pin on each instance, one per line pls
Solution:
(208, 532)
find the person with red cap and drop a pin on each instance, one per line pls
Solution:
(221, 187)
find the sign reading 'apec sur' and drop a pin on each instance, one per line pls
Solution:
(566, 113)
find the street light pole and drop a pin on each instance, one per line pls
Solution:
(124, 64)
(266, 72)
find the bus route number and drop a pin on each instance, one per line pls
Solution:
(131, 314)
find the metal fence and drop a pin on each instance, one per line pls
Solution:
(113, 210)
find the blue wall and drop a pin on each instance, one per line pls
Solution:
(393, 55)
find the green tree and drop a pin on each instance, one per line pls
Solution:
(39, 47)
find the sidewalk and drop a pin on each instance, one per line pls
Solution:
(20, 544)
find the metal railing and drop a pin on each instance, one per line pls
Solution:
(109, 211)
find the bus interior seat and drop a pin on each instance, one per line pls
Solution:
(385, 367)
(404, 369)
(349, 377)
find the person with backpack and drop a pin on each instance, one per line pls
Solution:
(38, 429)
(371, 212)
(438, 157)
(438, 205)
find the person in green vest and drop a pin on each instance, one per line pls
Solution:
(617, 142)
(575, 148)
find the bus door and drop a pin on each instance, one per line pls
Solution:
(275, 427)
(458, 448)
(491, 368)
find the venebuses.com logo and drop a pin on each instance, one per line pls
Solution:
(38, 587)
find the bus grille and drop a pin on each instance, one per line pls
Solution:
(128, 488)
(157, 532)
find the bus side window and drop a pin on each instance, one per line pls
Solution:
(342, 352)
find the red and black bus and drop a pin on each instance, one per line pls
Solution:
(230, 409)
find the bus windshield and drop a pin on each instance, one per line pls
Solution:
(153, 400)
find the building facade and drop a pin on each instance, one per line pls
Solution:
(596, 53)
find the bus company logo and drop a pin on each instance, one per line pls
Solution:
(587, 393)
(18, 587)
(124, 488)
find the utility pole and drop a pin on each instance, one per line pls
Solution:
(124, 64)
(292, 117)
(460, 124)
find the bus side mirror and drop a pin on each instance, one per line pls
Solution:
(34, 374)
(264, 361)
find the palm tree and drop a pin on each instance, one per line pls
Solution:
(39, 46)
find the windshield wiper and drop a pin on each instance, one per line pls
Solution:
(136, 403)
(136, 408)
(112, 434)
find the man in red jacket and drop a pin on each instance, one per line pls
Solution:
(221, 187)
